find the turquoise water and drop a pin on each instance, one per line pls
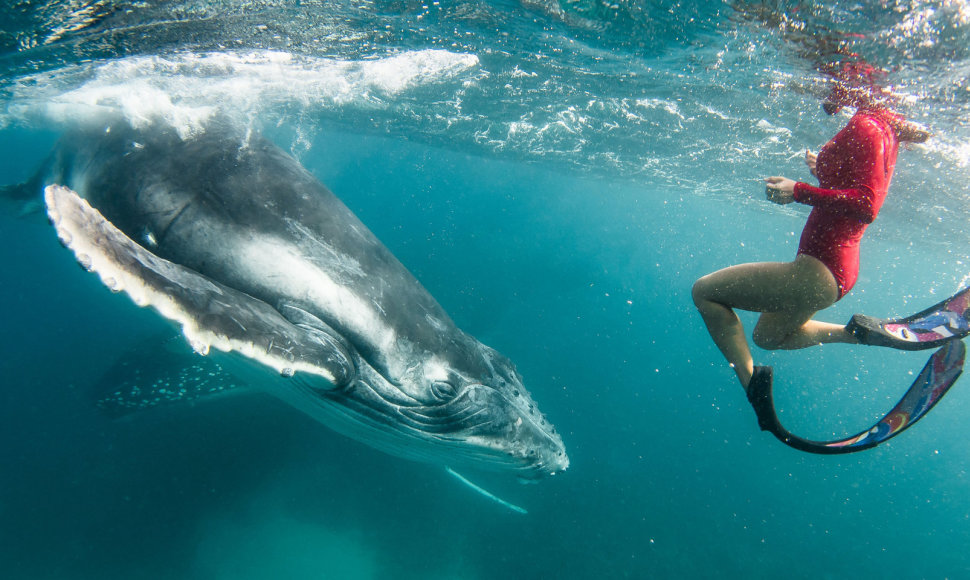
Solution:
(557, 176)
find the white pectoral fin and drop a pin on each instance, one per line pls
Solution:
(209, 313)
(485, 492)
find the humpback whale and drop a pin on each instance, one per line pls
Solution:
(267, 272)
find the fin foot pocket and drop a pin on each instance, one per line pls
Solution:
(868, 330)
(759, 395)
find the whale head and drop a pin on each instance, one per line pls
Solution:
(442, 413)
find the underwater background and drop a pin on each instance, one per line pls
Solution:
(557, 174)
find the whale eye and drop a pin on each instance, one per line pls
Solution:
(443, 390)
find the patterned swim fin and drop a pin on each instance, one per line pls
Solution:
(936, 378)
(941, 323)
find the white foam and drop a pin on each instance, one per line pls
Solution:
(185, 90)
(667, 105)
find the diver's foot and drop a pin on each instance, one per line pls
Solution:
(759, 393)
(868, 330)
(761, 378)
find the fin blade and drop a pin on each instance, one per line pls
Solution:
(939, 373)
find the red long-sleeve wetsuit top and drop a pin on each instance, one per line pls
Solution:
(854, 170)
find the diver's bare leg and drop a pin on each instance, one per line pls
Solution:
(726, 330)
(777, 330)
(791, 291)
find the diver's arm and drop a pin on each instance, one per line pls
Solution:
(858, 201)
(779, 190)
(865, 173)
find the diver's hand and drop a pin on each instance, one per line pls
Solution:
(810, 160)
(780, 190)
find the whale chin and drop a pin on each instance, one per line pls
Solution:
(477, 428)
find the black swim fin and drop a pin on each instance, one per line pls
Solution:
(931, 328)
(939, 374)
(869, 330)
(759, 395)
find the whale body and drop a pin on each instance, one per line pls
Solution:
(267, 272)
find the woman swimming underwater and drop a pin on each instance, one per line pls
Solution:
(854, 170)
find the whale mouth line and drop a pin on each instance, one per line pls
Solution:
(471, 440)
(402, 437)
(458, 419)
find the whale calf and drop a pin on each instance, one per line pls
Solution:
(267, 272)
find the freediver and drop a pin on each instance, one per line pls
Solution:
(854, 170)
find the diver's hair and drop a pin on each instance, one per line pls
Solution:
(905, 131)
(909, 132)
(856, 84)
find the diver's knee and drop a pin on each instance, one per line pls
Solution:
(700, 292)
(767, 340)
